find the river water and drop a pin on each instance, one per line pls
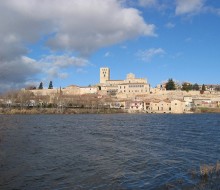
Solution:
(121, 151)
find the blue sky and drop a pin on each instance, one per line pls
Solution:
(68, 41)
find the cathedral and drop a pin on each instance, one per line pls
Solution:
(129, 86)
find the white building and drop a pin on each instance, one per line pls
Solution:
(88, 90)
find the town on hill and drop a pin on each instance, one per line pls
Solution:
(131, 95)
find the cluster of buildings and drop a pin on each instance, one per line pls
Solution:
(136, 95)
(127, 88)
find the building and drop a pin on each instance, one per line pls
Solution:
(158, 106)
(104, 75)
(124, 88)
(165, 106)
(206, 103)
(134, 106)
(69, 90)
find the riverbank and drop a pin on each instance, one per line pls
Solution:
(207, 110)
(11, 111)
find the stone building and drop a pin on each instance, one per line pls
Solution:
(123, 88)
(104, 75)
(165, 106)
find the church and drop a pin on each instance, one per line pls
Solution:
(128, 87)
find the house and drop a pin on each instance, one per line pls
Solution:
(178, 106)
(158, 106)
(208, 103)
(134, 106)
(165, 106)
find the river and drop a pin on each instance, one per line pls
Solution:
(112, 151)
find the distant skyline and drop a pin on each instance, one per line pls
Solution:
(68, 41)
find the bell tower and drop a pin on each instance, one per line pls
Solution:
(104, 75)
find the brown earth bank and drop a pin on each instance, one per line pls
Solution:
(59, 111)
(207, 110)
(83, 110)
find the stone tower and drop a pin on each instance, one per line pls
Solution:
(104, 75)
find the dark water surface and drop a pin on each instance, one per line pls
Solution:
(106, 151)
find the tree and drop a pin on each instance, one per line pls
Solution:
(203, 87)
(217, 88)
(195, 86)
(50, 85)
(30, 87)
(186, 86)
(170, 85)
(40, 86)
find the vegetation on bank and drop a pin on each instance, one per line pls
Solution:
(207, 110)
(27, 102)
(59, 111)
(206, 176)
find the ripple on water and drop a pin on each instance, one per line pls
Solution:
(106, 151)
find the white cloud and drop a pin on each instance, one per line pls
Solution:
(148, 54)
(22, 71)
(147, 3)
(17, 72)
(177, 55)
(54, 72)
(78, 26)
(169, 25)
(80, 70)
(159, 5)
(55, 65)
(107, 54)
(212, 10)
(124, 47)
(189, 6)
(64, 61)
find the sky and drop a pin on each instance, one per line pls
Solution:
(67, 41)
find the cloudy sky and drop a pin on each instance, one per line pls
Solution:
(68, 41)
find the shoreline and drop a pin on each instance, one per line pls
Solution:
(26, 111)
(23, 111)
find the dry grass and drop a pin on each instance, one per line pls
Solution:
(217, 168)
(208, 170)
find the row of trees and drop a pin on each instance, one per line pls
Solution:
(25, 98)
(40, 87)
(49, 87)
(170, 85)
(187, 87)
